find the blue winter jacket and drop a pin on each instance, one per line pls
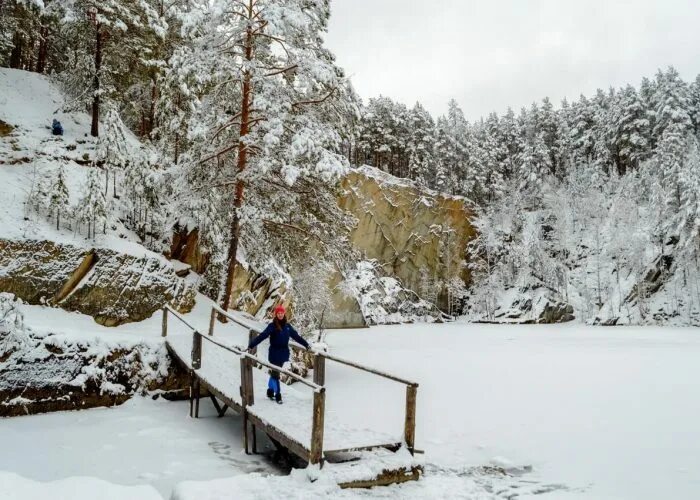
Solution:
(279, 342)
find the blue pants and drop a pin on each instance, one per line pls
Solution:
(274, 382)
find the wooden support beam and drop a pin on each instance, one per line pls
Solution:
(275, 434)
(255, 438)
(192, 377)
(197, 394)
(164, 331)
(319, 370)
(316, 452)
(245, 430)
(216, 404)
(410, 423)
(197, 350)
(212, 322)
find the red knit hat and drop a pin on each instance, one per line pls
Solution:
(280, 308)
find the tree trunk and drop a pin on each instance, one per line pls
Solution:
(152, 109)
(95, 129)
(43, 49)
(16, 54)
(241, 164)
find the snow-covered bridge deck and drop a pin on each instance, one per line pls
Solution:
(304, 424)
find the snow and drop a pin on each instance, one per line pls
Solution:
(29, 102)
(152, 444)
(538, 411)
(610, 412)
(15, 487)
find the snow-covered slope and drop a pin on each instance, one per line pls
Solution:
(29, 154)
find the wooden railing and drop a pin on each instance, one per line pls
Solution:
(247, 362)
(319, 374)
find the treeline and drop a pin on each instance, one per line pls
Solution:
(612, 131)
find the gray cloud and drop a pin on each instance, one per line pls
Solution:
(489, 55)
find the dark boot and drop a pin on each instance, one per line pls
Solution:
(278, 398)
(270, 394)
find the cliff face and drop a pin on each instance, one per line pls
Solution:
(417, 236)
(111, 287)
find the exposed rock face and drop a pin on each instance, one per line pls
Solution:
(529, 306)
(51, 376)
(416, 235)
(185, 248)
(111, 287)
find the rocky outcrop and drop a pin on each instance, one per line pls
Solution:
(528, 306)
(111, 287)
(51, 375)
(41, 372)
(418, 236)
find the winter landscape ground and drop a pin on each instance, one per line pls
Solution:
(503, 412)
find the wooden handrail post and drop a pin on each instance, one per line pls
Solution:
(319, 369)
(212, 322)
(197, 351)
(247, 396)
(410, 423)
(251, 335)
(164, 331)
(316, 452)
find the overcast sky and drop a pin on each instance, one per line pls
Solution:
(491, 54)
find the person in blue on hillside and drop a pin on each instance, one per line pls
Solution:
(279, 332)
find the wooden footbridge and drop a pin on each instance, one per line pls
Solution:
(232, 377)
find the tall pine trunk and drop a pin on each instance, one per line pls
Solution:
(43, 49)
(95, 129)
(246, 100)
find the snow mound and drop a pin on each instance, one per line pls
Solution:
(15, 487)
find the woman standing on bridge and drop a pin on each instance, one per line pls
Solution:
(279, 332)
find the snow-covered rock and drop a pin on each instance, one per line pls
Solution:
(42, 372)
(113, 288)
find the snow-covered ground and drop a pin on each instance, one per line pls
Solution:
(570, 411)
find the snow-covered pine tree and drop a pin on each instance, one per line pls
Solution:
(276, 102)
(632, 130)
(695, 105)
(112, 151)
(673, 103)
(92, 207)
(420, 149)
(58, 197)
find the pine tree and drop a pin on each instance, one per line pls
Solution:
(58, 197)
(420, 149)
(277, 100)
(92, 207)
(632, 130)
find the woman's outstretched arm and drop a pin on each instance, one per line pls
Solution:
(265, 333)
(293, 333)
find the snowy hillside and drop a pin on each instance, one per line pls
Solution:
(30, 156)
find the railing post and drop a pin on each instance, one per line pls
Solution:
(247, 399)
(164, 331)
(212, 321)
(410, 423)
(251, 335)
(316, 452)
(197, 351)
(319, 369)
